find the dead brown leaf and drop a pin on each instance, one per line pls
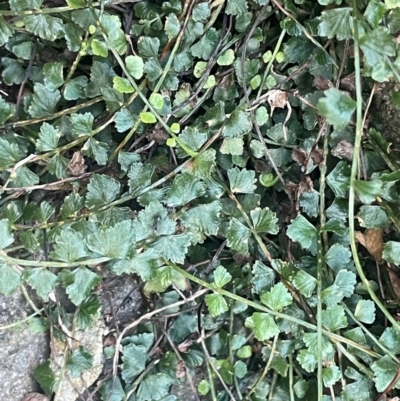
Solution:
(374, 243)
(76, 165)
(394, 281)
(299, 156)
(317, 156)
(322, 83)
(372, 240)
(343, 150)
(277, 99)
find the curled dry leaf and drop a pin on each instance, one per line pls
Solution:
(343, 150)
(35, 397)
(277, 98)
(372, 240)
(394, 281)
(322, 83)
(76, 165)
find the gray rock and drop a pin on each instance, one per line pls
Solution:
(20, 350)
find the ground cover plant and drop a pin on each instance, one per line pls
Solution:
(228, 155)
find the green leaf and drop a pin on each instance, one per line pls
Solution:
(6, 111)
(134, 357)
(156, 100)
(237, 125)
(221, 276)
(374, 13)
(336, 22)
(172, 26)
(19, 5)
(148, 117)
(97, 150)
(277, 298)
(240, 369)
(334, 318)
(236, 7)
(73, 35)
(113, 242)
(336, 107)
(144, 264)
(241, 181)
(6, 237)
(184, 189)
(204, 48)
(6, 31)
(392, 4)
(122, 85)
(124, 120)
(309, 202)
(201, 12)
(153, 69)
(73, 203)
(154, 387)
(45, 377)
(262, 115)
(9, 153)
(263, 277)
(24, 177)
(376, 45)
(372, 217)
(238, 236)
(80, 360)
(367, 191)
(365, 311)
(307, 360)
(13, 72)
(232, 146)
(384, 372)
(331, 375)
(75, 88)
(264, 221)
(337, 257)
(101, 76)
(83, 282)
(302, 231)
(99, 48)
(173, 247)
(23, 50)
(10, 278)
(390, 338)
(216, 304)
(112, 390)
(44, 26)
(226, 58)
(391, 252)
(42, 280)
(135, 65)
(148, 47)
(44, 102)
(264, 326)
(53, 75)
(69, 246)
(203, 218)
(305, 283)
(153, 220)
(102, 190)
(48, 138)
(346, 281)
(339, 179)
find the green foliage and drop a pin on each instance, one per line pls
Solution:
(188, 148)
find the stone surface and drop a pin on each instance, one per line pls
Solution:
(20, 350)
